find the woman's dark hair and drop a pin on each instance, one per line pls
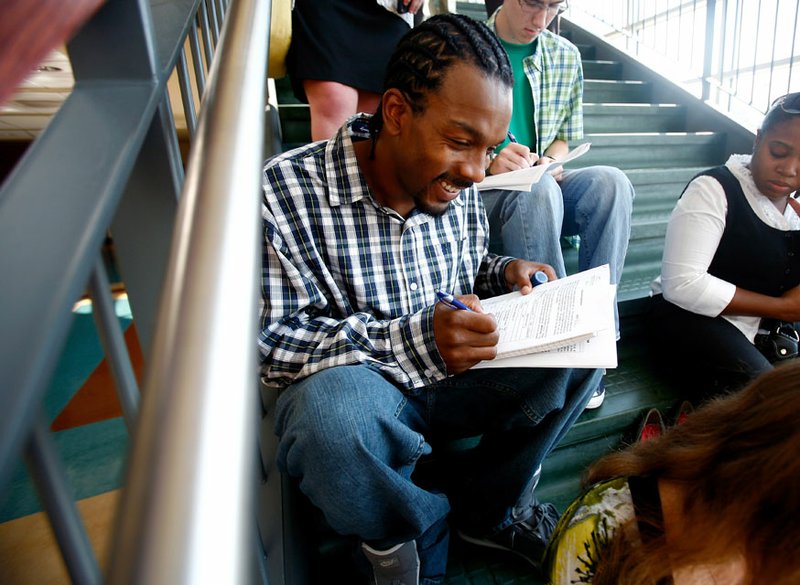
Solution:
(781, 110)
(425, 54)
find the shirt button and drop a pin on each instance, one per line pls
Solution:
(413, 286)
(426, 373)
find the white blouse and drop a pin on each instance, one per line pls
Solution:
(693, 235)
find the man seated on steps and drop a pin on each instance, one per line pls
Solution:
(594, 203)
(360, 232)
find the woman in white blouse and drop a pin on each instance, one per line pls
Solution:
(732, 258)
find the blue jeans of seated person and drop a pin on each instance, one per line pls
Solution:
(594, 203)
(352, 439)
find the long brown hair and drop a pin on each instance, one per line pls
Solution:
(738, 460)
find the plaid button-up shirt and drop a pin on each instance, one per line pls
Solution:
(555, 74)
(345, 280)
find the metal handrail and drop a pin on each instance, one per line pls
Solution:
(735, 55)
(186, 514)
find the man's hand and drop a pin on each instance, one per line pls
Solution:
(513, 157)
(519, 273)
(464, 338)
(556, 171)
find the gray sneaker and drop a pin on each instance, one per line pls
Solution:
(525, 538)
(398, 565)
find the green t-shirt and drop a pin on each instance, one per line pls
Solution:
(521, 125)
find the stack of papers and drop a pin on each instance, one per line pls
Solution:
(567, 322)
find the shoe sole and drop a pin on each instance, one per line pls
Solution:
(495, 546)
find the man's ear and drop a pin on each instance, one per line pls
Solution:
(395, 110)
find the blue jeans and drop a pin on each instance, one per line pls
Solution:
(353, 439)
(594, 203)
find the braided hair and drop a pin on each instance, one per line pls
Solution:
(424, 55)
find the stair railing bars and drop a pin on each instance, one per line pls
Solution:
(55, 211)
(737, 55)
(187, 510)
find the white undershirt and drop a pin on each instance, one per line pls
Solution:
(693, 235)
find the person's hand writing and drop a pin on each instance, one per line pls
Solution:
(513, 157)
(464, 338)
(519, 273)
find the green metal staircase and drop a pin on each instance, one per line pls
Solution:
(660, 137)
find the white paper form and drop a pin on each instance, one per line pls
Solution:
(554, 314)
(599, 351)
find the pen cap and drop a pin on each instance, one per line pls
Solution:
(539, 277)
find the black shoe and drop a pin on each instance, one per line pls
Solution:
(398, 565)
(525, 538)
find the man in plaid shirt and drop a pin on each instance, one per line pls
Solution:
(360, 233)
(594, 203)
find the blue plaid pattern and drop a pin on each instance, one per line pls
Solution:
(347, 281)
(555, 74)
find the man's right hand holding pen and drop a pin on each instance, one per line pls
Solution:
(516, 156)
(464, 333)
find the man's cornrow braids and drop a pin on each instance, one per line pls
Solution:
(425, 54)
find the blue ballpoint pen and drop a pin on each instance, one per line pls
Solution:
(539, 277)
(451, 301)
(511, 137)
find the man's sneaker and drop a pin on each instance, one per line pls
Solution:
(526, 538)
(596, 401)
(398, 565)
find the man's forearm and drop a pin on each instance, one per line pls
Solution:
(557, 150)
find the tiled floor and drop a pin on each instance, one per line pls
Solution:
(29, 110)
(29, 554)
(91, 438)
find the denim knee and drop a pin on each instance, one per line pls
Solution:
(610, 187)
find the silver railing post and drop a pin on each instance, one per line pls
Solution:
(187, 510)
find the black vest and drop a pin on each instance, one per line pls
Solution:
(751, 254)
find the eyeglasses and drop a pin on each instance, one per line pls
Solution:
(789, 103)
(536, 6)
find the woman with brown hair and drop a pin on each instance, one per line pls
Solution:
(713, 500)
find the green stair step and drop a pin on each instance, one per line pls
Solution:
(587, 52)
(476, 10)
(653, 150)
(611, 118)
(295, 122)
(597, 69)
(284, 92)
(601, 91)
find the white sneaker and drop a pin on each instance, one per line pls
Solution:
(596, 401)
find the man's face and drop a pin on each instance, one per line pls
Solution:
(521, 21)
(446, 148)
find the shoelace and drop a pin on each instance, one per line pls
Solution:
(538, 520)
